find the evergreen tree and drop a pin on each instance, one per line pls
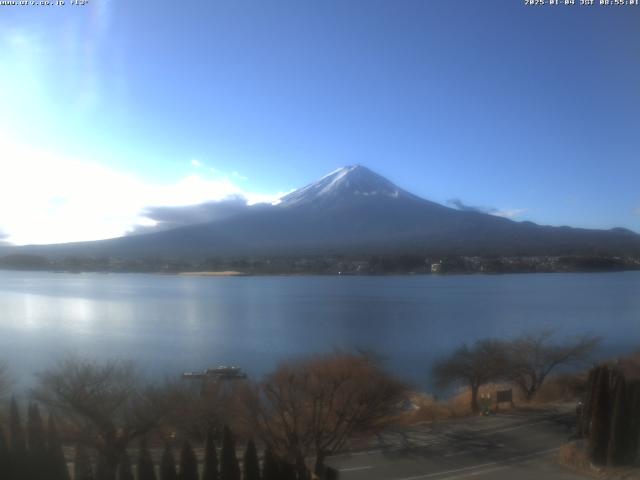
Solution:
(287, 471)
(146, 470)
(18, 444)
(168, 465)
(5, 457)
(210, 459)
(633, 399)
(618, 438)
(18, 447)
(229, 468)
(251, 464)
(585, 416)
(103, 471)
(188, 463)
(35, 431)
(37, 451)
(56, 461)
(270, 467)
(330, 474)
(124, 468)
(600, 421)
(82, 465)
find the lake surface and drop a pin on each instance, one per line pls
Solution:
(171, 324)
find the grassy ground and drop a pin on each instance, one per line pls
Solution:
(573, 456)
(561, 389)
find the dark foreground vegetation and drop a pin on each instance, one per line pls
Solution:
(329, 264)
(35, 452)
(607, 439)
(297, 416)
(609, 416)
(103, 421)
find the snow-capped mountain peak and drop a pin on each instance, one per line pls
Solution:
(345, 182)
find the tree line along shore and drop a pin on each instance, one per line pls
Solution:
(327, 264)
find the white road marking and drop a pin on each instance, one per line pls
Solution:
(476, 467)
(481, 472)
(433, 438)
(354, 469)
(437, 440)
(469, 452)
(455, 454)
(508, 429)
(359, 454)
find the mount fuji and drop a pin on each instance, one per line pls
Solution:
(355, 210)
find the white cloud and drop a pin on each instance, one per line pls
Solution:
(239, 176)
(508, 212)
(50, 198)
(196, 163)
(498, 212)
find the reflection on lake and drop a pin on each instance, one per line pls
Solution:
(170, 324)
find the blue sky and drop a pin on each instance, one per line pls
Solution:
(115, 106)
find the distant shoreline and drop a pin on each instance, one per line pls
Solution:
(224, 273)
(361, 265)
(229, 274)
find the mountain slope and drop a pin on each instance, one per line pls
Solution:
(356, 210)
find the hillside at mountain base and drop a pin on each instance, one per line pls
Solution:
(354, 211)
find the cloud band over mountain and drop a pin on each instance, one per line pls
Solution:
(506, 213)
(168, 217)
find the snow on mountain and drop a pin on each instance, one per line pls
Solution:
(342, 184)
(355, 210)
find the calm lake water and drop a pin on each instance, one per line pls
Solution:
(171, 324)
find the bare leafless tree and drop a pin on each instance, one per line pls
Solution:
(472, 366)
(313, 407)
(532, 357)
(196, 408)
(106, 405)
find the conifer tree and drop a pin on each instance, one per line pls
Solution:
(229, 468)
(82, 464)
(600, 420)
(210, 471)
(103, 471)
(35, 430)
(585, 417)
(287, 471)
(18, 443)
(168, 465)
(270, 467)
(188, 462)
(37, 444)
(146, 471)
(330, 473)
(5, 457)
(124, 468)
(250, 463)
(618, 438)
(633, 398)
(56, 461)
(18, 447)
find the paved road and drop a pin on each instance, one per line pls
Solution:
(511, 446)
